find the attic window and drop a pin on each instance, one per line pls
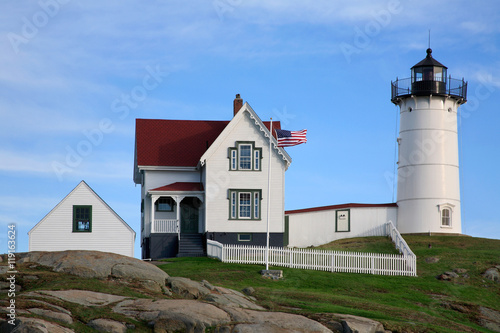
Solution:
(82, 218)
(244, 156)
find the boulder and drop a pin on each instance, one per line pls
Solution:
(489, 319)
(48, 305)
(83, 297)
(207, 285)
(259, 321)
(447, 276)
(492, 274)
(107, 325)
(49, 314)
(187, 288)
(96, 264)
(35, 325)
(359, 324)
(232, 300)
(194, 315)
(249, 291)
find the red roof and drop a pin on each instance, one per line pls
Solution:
(178, 187)
(177, 143)
(343, 206)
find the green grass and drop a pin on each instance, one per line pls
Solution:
(402, 304)
(367, 244)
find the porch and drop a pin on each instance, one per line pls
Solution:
(174, 214)
(176, 218)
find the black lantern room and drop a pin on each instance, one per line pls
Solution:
(429, 77)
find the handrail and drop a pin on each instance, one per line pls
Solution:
(398, 240)
(451, 87)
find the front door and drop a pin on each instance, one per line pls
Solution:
(189, 215)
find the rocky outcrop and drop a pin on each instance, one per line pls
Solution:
(202, 307)
(25, 324)
(96, 264)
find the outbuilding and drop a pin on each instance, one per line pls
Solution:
(82, 221)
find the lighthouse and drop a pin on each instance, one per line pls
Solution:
(428, 188)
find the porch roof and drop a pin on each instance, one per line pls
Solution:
(179, 187)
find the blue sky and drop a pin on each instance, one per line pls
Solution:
(76, 74)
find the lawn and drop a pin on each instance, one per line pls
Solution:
(402, 304)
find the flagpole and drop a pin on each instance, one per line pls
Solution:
(269, 191)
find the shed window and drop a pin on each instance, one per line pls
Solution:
(82, 218)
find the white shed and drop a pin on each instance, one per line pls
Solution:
(322, 225)
(82, 221)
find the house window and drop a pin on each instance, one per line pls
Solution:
(446, 217)
(245, 160)
(234, 157)
(164, 205)
(82, 218)
(233, 205)
(244, 204)
(256, 205)
(244, 156)
(256, 159)
(244, 237)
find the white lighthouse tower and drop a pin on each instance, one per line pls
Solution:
(428, 193)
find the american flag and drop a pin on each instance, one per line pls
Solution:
(290, 138)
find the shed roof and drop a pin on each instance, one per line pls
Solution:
(342, 206)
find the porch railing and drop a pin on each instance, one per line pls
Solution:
(167, 226)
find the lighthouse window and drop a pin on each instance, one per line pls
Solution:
(446, 217)
(427, 73)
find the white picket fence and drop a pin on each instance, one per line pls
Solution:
(404, 264)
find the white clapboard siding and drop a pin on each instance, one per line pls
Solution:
(219, 179)
(109, 232)
(333, 261)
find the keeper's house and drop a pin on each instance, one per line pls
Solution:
(82, 221)
(208, 180)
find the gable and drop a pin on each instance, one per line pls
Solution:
(254, 120)
(87, 195)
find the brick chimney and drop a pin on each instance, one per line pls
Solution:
(237, 104)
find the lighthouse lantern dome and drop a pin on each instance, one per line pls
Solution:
(429, 77)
